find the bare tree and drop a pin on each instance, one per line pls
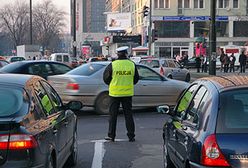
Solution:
(14, 21)
(48, 23)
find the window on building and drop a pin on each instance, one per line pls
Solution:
(161, 3)
(222, 29)
(239, 29)
(183, 3)
(199, 4)
(223, 4)
(173, 29)
(235, 3)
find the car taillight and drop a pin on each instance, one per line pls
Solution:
(17, 141)
(161, 71)
(211, 153)
(72, 86)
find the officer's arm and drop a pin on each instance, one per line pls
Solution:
(107, 75)
(136, 76)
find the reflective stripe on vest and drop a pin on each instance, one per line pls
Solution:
(121, 84)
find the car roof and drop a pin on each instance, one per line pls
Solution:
(16, 79)
(223, 82)
(157, 59)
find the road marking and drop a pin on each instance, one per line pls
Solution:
(100, 152)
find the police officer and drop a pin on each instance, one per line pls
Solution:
(121, 75)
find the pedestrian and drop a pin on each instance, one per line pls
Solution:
(204, 64)
(242, 61)
(222, 56)
(121, 75)
(232, 62)
(198, 63)
(226, 63)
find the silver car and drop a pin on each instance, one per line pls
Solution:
(85, 83)
(168, 67)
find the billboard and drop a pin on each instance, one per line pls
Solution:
(118, 21)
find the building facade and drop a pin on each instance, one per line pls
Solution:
(90, 24)
(180, 22)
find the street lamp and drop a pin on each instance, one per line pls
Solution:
(212, 39)
(30, 8)
(150, 30)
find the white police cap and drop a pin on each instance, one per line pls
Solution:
(122, 49)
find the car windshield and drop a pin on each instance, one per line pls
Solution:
(233, 112)
(10, 68)
(11, 100)
(150, 63)
(15, 59)
(86, 69)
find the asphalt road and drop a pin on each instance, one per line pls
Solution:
(95, 152)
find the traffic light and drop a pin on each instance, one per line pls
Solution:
(154, 35)
(145, 11)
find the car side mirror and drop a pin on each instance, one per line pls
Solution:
(74, 105)
(165, 109)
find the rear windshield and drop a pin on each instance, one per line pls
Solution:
(12, 68)
(150, 63)
(11, 100)
(86, 69)
(15, 59)
(233, 112)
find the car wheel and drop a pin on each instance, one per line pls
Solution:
(102, 104)
(170, 76)
(72, 160)
(187, 79)
(167, 161)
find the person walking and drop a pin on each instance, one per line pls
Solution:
(232, 62)
(121, 75)
(242, 62)
(226, 63)
(222, 56)
(204, 64)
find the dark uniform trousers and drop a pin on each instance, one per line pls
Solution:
(127, 110)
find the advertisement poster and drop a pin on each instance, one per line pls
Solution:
(118, 21)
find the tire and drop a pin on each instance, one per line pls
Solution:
(187, 79)
(166, 159)
(72, 160)
(102, 104)
(170, 77)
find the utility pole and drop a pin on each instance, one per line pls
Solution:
(150, 30)
(74, 44)
(30, 17)
(212, 39)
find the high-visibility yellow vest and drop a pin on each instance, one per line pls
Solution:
(121, 84)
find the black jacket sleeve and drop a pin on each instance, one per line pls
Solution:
(107, 74)
(136, 76)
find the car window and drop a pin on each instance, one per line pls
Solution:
(164, 63)
(185, 100)
(150, 63)
(147, 74)
(59, 58)
(34, 69)
(86, 69)
(12, 68)
(44, 99)
(15, 59)
(60, 68)
(55, 99)
(11, 100)
(196, 104)
(66, 58)
(177, 65)
(233, 112)
(171, 64)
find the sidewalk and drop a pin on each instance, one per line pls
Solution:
(195, 75)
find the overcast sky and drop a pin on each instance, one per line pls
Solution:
(61, 4)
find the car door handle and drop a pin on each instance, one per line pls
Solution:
(55, 131)
(66, 123)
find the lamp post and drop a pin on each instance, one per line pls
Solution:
(30, 17)
(74, 51)
(212, 39)
(150, 30)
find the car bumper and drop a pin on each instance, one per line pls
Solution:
(20, 164)
(86, 100)
(196, 165)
